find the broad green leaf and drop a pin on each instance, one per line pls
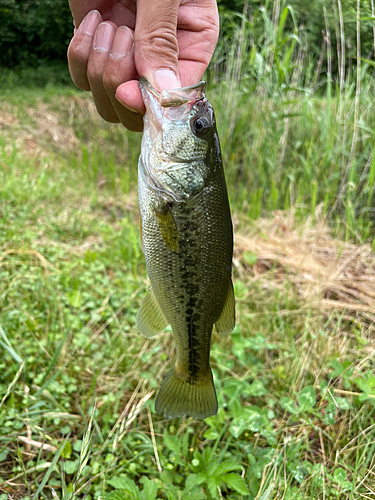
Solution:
(195, 494)
(67, 451)
(236, 429)
(172, 492)
(289, 405)
(342, 403)
(192, 491)
(77, 445)
(212, 487)
(257, 389)
(75, 298)
(211, 434)
(208, 454)
(340, 475)
(307, 398)
(227, 466)
(211, 468)
(250, 258)
(171, 442)
(236, 482)
(123, 482)
(117, 495)
(150, 489)
(71, 466)
(191, 481)
(166, 476)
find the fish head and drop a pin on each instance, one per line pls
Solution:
(179, 132)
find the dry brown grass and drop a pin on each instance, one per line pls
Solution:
(327, 274)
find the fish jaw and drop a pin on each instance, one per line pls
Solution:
(166, 106)
(172, 157)
(172, 98)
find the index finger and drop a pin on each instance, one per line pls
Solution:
(79, 49)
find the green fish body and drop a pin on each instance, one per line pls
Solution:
(187, 239)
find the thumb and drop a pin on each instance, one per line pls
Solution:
(155, 43)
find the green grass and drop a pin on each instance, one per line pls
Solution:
(295, 384)
(295, 380)
(291, 133)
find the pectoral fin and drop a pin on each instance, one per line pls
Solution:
(227, 319)
(168, 229)
(150, 320)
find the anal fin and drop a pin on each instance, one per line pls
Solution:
(227, 319)
(150, 319)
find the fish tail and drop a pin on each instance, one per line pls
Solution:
(179, 397)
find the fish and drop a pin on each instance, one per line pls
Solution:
(187, 239)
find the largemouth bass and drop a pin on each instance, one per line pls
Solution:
(187, 240)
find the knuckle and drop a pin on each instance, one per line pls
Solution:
(110, 81)
(94, 72)
(161, 42)
(118, 71)
(78, 52)
(211, 33)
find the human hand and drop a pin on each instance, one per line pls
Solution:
(169, 42)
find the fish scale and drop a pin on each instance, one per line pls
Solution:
(187, 240)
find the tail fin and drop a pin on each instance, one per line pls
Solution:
(179, 398)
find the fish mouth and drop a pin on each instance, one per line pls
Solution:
(172, 98)
(163, 110)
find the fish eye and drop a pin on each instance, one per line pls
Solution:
(201, 125)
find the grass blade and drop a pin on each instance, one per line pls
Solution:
(8, 347)
(50, 468)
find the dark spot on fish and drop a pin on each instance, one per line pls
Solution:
(191, 302)
(193, 350)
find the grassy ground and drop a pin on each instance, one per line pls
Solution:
(295, 380)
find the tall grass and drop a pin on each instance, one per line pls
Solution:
(296, 124)
(292, 133)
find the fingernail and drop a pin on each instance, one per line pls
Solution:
(103, 37)
(90, 22)
(166, 79)
(122, 43)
